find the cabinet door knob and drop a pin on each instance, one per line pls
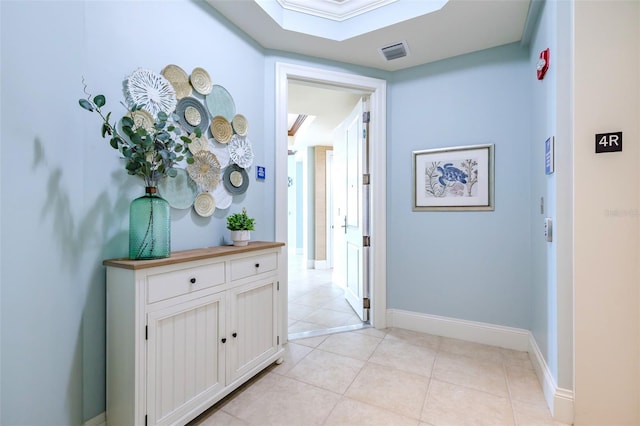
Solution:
(224, 340)
(235, 334)
(257, 265)
(192, 280)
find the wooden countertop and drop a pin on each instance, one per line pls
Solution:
(191, 255)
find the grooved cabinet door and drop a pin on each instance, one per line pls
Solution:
(253, 328)
(185, 357)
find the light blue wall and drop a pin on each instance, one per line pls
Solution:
(544, 320)
(552, 116)
(65, 193)
(467, 265)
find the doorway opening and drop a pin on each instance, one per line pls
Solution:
(375, 179)
(327, 215)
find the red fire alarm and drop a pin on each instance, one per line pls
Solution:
(543, 64)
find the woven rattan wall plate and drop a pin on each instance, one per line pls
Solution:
(205, 170)
(204, 204)
(221, 129)
(240, 124)
(201, 81)
(178, 79)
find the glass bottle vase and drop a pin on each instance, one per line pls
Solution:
(149, 227)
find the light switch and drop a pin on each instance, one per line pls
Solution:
(548, 229)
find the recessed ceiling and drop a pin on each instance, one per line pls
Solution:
(341, 20)
(337, 10)
(451, 29)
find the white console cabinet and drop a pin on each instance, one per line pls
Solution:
(185, 331)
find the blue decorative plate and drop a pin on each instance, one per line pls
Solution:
(220, 102)
(191, 114)
(180, 191)
(235, 179)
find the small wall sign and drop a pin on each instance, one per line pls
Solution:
(548, 156)
(608, 142)
(261, 174)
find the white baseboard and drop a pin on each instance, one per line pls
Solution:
(488, 334)
(559, 400)
(99, 420)
(321, 264)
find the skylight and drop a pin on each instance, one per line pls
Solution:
(344, 19)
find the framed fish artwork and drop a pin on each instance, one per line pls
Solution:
(456, 178)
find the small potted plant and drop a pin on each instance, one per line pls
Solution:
(240, 226)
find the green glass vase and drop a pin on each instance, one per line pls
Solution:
(149, 227)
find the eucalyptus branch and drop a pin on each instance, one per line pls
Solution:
(150, 153)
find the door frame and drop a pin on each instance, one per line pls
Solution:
(377, 91)
(328, 164)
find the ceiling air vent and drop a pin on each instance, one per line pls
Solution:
(395, 50)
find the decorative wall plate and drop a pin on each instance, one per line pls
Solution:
(235, 179)
(179, 191)
(240, 124)
(221, 129)
(178, 79)
(222, 197)
(205, 170)
(141, 118)
(198, 144)
(191, 114)
(221, 152)
(204, 204)
(240, 151)
(151, 91)
(220, 102)
(201, 81)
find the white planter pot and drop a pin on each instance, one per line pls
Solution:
(240, 238)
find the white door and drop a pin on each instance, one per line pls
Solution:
(292, 212)
(351, 210)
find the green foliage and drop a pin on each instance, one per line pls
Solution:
(149, 153)
(240, 221)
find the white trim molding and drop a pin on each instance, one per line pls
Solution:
(559, 400)
(377, 91)
(471, 331)
(99, 420)
(321, 264)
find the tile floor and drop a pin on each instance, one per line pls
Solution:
(388, 377)
(315, 301)
(379, 377)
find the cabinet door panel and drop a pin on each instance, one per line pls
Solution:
(185, 363)
(253, 320)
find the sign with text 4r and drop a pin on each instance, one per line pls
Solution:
(608, 142)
